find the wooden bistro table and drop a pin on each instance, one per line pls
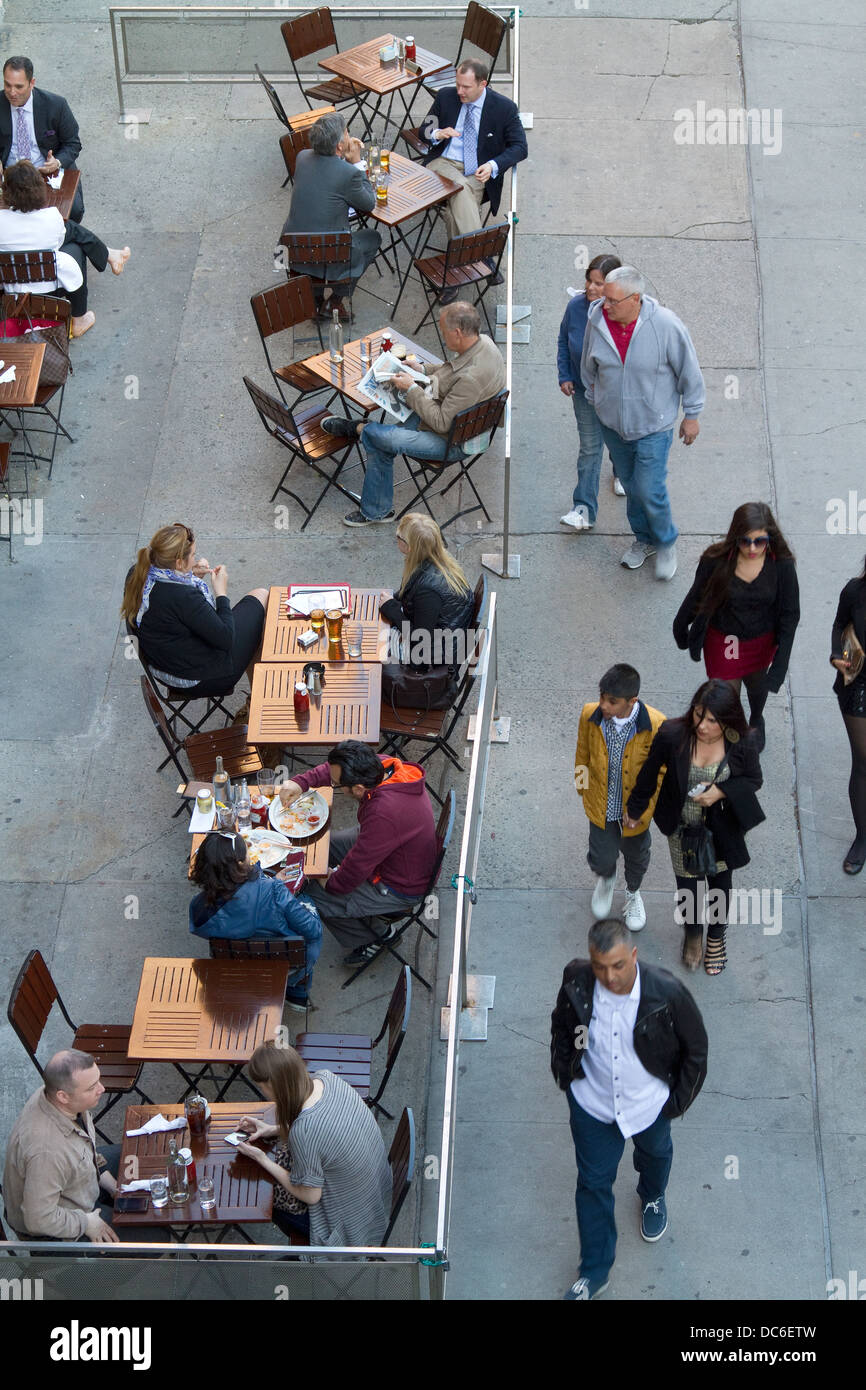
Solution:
(206, 1013)
(377, 80)
(283, 627)
(344, 376)
(315, 849)
(17, 395)
(242, 1189)
(350, 705)
(62, 197)
(413, 191)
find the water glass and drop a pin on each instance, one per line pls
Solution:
(159, 1191)
(266, 779)
(352, 639)
(206, 1195)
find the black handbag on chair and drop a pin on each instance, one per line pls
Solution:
(410, 689)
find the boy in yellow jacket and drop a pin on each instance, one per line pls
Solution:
(613, 740)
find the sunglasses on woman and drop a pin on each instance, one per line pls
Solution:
(753, 542)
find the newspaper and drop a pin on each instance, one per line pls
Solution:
(375, 385)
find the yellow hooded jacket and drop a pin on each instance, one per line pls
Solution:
(591, 763)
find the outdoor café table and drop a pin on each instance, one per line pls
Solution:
(62, 197)
(350, 704)
(315, 849)
(376, 80)
(344, 376)
(208, 1012)
(242, 1190)
(17, 395)
(283, 627)
(413, 191)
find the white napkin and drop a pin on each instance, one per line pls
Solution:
(157, 1125)
(9, 374)
(56, 180)
(137, 1185)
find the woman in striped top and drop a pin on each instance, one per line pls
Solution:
(330, 1155)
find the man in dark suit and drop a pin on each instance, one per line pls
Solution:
(475, 136)
(38, 126)
(330, 179)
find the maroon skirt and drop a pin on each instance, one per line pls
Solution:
(752, 654)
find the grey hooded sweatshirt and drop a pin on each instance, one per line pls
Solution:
(641, 395)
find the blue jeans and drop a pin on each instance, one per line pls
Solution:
(381, 445)
(598, 1148)
(589, 455)
(642, 466)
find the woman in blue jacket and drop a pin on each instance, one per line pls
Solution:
(584, 503)
(239, 902)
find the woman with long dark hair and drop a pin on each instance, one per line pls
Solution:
(743, 608)
(239, 902)
(330, 1156)
(850, 691)
(711, 777)
(28, 223)
(584, 502)
(188, 632)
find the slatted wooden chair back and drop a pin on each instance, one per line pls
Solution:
(273, 98)
(276, 417)
(318, 248)
(284, 306)
(483, 29)
(476, 419)
(309, 33)
(27, 267)
(396, 1021)
(36, 306)
(33, 996)
(160, 723)
(291, 145)
(293, 952)
(487, 243)
(401, 1158)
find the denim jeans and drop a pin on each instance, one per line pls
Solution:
(589, 455)
(598, 1148)
(381, 444)
(641, 466)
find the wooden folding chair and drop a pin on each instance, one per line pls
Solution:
(276, 311)
(425, 473)
(301, 433)
(41, 308)
(33, 996)
(350, 1055)
(312, 33)
(291, 145)
(175, 701)
(324, 250)
(482, 29)
(401, 1158)
(464, 264)
(404, 918)
(240, 758)
(273, 98)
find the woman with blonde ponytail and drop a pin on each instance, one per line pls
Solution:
(190, 636)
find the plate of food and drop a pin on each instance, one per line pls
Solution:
(266, 847)
(303, 819)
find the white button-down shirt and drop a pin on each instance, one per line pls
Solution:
(33, 153)
(454, 148)
(616, 1088)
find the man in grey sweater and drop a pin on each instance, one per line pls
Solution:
(638, 363)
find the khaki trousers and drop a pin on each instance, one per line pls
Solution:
(462, 212)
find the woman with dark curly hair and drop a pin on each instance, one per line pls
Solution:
(712, 775)
(239, 902)
(850, 621)
(27, 223)
(743, 608)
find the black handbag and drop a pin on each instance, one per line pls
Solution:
(696, 842)
(410, 689)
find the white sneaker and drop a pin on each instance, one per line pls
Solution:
(602, 898)
(618, 487)
(666, 562)
(635, 912)
(637, 552)
(577, 518)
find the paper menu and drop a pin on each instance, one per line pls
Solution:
(303, 598)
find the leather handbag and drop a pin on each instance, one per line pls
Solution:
(853, 652)
(56, 365)
(410, 689)
(696, 841)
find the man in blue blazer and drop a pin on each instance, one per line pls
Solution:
(38, 126)
(475, 135)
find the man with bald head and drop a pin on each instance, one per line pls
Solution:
(55, 1176)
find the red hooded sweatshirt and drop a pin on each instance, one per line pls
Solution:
(397, 843)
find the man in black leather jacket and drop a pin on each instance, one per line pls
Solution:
(629, 1048)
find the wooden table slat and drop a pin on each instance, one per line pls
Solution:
(283, 628)
(363, 66)
(344, 376)
(206, 1010)
(412, 189)
(350, 704)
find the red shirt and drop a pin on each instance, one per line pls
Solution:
(621, 334)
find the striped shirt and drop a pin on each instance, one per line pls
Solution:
(617, 733)
(336, 1145)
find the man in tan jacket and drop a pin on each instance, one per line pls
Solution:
(613, 740)
(477, 373)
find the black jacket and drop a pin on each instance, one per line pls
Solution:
(182, 635)
(54, 125)
(851, 609)
(728, 819)
(500, 134)
(427, 602)
(690, 628)
(669, 1035)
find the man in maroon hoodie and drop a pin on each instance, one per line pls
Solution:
(385, 863)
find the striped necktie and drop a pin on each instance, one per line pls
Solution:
(470, 141)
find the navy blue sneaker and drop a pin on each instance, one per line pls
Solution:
(583, 1289)
(654, 1219)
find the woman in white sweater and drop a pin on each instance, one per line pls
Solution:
(27, 223)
